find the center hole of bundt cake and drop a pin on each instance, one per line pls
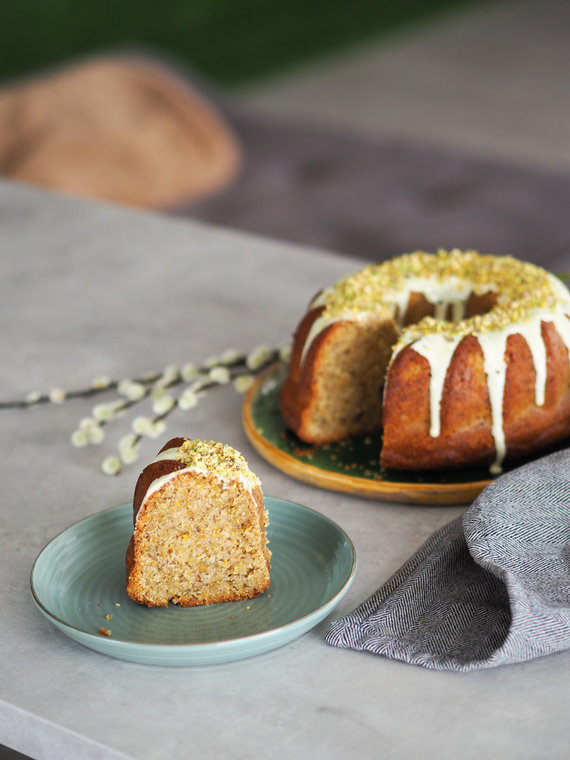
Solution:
(419, 307)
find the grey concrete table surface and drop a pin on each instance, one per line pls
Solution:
(90, 289)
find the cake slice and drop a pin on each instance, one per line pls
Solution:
(199, 528)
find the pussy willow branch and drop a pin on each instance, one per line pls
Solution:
(196, 381)
(102, 385)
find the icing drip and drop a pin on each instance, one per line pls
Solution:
(438, 350)
(440, 310)
(532, 333)
(496, 370)
(458, 310)
(166, 454)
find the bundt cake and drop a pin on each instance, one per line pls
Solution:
(199, 528)
(462, 359)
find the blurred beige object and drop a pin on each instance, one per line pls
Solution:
(125, 130)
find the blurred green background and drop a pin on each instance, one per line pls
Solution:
(230, 42)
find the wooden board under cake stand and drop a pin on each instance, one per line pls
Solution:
(270, 438)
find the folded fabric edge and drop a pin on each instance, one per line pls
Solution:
(523, 640)
(347, 630)
(394, 650)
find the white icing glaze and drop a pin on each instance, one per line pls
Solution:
(458, 310)
(438, 350)
(495, 366)
(166, 454)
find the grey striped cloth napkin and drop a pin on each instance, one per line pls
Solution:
(490, 588)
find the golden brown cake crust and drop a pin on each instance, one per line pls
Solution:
(296, 391)
(324, 401)
(466, 412)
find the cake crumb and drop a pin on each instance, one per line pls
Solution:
(104, 631)
(109, 617)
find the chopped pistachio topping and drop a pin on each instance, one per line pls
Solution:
(520, 287)
(213, 456)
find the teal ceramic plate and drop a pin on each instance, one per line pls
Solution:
(351, 466)
(78, 581)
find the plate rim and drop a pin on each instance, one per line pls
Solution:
(196, 646)
(437, 494)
